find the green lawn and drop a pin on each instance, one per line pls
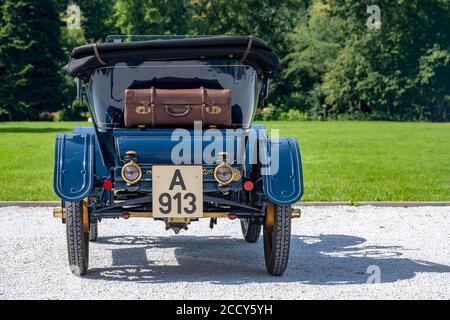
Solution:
(343, 161)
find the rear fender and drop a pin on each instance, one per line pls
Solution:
(101, 170)
(74, 166)
(282, 181)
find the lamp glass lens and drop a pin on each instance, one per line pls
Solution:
(224, 174)
(131, 173)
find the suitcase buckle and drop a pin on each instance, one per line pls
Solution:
(143, 110)
(213, 109)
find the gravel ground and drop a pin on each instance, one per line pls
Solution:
(335, 250)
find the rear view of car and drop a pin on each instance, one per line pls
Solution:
(173, 140)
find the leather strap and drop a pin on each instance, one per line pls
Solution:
(203, 103)
(152, 96)
(247, 50)
(152, 104)
(97, 54)
(203, 97)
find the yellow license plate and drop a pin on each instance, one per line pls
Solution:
(177, 191)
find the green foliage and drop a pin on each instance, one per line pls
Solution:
(268, 114)
(399, 72)
(332, 60)
(433, 85)
(151, 17)
(73, 112)
(315, 46)
(271, 20)
(70, 38)
(293, 115)
(97, 21)
(30, 57)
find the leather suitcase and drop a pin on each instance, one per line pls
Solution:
(177, 108)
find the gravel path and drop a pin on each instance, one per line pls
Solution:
(333, 249)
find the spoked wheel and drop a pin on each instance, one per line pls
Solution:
(251, 230)
(277, 238)
(93, 231)
(77, 221)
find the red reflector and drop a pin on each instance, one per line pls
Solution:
(249, 186)
(107, 184)
(126, 215)
(232, 216)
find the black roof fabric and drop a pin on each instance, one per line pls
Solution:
(83, 60)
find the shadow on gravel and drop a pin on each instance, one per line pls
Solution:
(323, 260)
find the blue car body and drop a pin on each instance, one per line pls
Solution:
(78, 162)
(91, 156)
(177, 170)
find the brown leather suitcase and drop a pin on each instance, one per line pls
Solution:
(177, 108)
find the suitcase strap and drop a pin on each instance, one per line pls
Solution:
(209, 108)
(147, 109)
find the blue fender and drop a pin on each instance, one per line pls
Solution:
(282, 182)
(74, 166)
(100, 168)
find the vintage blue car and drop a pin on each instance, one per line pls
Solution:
(179, 174)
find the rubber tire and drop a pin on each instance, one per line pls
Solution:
(63, 205)
(250, 230)
(277, 242)
(77, 239)
(93, 231)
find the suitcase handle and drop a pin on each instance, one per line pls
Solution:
(178, 115)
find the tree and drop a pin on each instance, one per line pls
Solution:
(150, 17)
(71, 38)
(411, 46)
(97, 20)
(271, 20)
(30, 58)
(399, 72)
(315, 45)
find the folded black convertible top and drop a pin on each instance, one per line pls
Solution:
(85, 59)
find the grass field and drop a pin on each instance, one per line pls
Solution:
(343, 161)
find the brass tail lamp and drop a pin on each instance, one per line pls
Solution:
(131, 171)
